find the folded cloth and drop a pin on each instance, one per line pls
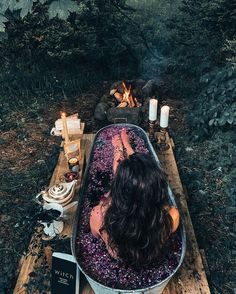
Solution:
(73, 126)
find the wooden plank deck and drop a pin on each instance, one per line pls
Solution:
(190, 279)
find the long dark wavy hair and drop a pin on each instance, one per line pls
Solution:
(137, 221)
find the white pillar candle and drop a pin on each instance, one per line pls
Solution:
(164, 116)
(65, 129)
(153, 109)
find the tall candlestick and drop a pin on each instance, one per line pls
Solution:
(162, 143)
(164, 116)
(65, 129)
(151, 130)
(153, 109)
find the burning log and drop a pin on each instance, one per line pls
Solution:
(118, 96)
(122, 104)
(136, 102)
(124, 96)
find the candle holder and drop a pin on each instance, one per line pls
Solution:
(151, 130)
(73, 164)
(162, 145)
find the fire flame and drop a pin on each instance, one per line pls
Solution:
(127, 98)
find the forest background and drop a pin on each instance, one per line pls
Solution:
(52, 51)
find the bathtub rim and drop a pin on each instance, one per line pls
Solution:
(79, 208)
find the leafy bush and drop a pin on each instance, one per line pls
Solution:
(60, 8)
(99, 37)
(216, 104)
(197, 37)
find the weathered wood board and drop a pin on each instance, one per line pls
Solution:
(28, 262)
(190, 279)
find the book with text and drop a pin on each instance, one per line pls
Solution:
(65, 274)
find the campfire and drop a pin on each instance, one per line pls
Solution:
(125, 98)
(126, 102)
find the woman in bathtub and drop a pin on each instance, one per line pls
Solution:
(135, 220)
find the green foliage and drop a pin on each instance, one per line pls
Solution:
(150, 17)
(227, 117)
(3, 19)
(230, 50)
(98, 39)
(7, 4)
(56, 8)
(62, 9)
(201, 61)
(25, 6)
(215, 106)
(197, 37)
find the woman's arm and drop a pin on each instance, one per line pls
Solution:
(96, 220)
(96, 223)
(97, 214)
(105, 238)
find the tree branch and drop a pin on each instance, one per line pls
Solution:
(138, 26)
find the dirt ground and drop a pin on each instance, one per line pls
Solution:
(29, 155)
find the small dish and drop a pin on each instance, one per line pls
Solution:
(71, 176)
